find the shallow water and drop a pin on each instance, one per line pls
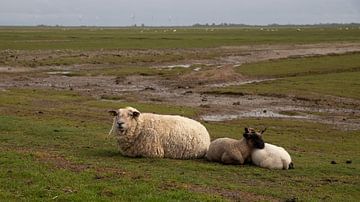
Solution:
(59, 73)
(237, 83)
(181, 65)
(252, 114)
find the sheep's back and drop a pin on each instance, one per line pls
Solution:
(179, 137)
(271, 157)
(218, 147)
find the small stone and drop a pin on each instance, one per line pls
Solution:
(149, 88)
(333, 162)
(293, 199)
(98, 177)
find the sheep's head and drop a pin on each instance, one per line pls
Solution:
(124, 119)
(253, 138)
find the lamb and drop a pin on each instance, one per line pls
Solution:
(162, 136)
(231, 151)
(272, 157)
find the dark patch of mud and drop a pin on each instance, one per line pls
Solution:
(60, 162)
(232, 195)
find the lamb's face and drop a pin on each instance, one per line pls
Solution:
(124, 119)
(253, 138)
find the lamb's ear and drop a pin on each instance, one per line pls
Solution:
(113, 112)
(247, 130)
(263, 131)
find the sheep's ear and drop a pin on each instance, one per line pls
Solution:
(246, 135)
(263, 131)
(113, 112)
(247, 130)
(134, 113)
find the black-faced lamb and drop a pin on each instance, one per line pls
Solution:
(231, 151)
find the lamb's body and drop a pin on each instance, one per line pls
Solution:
(153, 135)
(228, 151)
(272, 157)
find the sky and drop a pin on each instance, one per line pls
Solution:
(176, 12)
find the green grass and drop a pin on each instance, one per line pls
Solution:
(63, 153)
(96, 57)
(312, 78)
(346, 84)
(302, 66)
(30, 38)
(53, 144)
(49, 102)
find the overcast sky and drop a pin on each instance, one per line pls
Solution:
(176, 12)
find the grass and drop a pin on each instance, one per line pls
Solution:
(346, 84)
(54, 145)
(31, 38)
(96, 57)
(313, 78)
(302, 66)
(62, 154)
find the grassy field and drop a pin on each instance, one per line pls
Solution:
(291, 67)
(304, 78)
(54, 144)
(346, 84)
(143, 38)
(51, 149)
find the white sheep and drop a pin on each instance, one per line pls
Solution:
(272, 157)
(231, 151)
(163, 136)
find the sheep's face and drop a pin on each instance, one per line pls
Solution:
(124, 119)
(253, 138)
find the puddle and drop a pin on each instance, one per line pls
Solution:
(59, 73)
(181, 65)
(251, 114)
(237, 83)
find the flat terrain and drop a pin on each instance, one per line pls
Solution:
(57, 85)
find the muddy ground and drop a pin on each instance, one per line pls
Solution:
(189, 89)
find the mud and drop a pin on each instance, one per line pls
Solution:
(186, 90)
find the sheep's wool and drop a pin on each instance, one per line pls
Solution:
(153, 135)
(272, 157)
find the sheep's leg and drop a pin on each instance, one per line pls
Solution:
(236, 158)
(226, 159)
